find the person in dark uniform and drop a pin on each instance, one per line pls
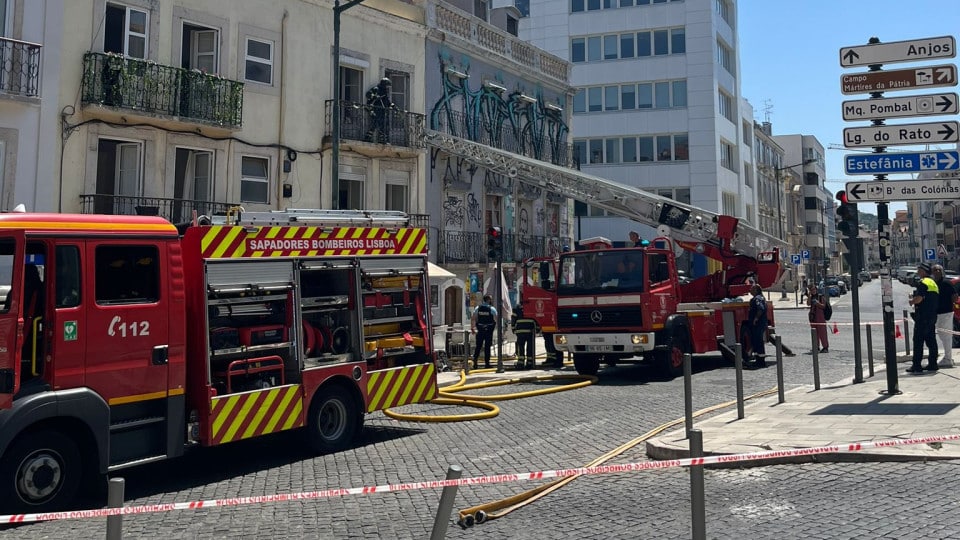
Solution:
(757, 325)
(482, 323)
(526, 330)
(378, 99)
(925, 301)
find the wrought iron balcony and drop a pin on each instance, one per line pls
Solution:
(19, 67)
(129, 83)
(359, 122)
(173, 210)
(471, 247)
(504, 136)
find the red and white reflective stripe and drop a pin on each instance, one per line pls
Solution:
(495, 479)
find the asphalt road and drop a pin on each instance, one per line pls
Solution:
(567, 429)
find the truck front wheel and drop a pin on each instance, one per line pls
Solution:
(335, 418)
(40, 472)
(670, 359)
(586, 364)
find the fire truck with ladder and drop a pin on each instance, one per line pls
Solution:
(587, 307)
(609, 305)
(126, 340)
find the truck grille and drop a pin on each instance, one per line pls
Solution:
(587, 317)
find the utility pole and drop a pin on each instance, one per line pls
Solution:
(335, 110)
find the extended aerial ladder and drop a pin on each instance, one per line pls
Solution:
(720, 237)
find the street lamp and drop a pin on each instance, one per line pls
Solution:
(335, 142)
(777, 170)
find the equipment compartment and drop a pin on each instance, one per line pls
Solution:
(329, 314)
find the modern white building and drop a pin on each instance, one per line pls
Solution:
(659, 104)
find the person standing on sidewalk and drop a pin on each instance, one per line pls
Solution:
(947, 296)
(925, 301)
(757, 325)
(817, 316)
(482, 323)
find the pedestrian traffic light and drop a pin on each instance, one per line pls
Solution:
(848, 216)
(494, 243)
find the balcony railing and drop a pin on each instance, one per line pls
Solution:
(505, 138)
(128, 83)
(173, 210)
(19, 67)
(471, 247)
(366, 123)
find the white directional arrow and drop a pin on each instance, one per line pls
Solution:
(948, 159)
(943, 75)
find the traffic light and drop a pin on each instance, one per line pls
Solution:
(848, 216)
(495, 243)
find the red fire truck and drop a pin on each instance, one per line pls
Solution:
(607, 305)
(124, 340)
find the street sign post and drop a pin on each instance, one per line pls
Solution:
(904, 190)
(942, 251)
(926, 105)
(929, 254)
(914, 50)
(900, 79)
(923, 133)
(805, 254)
(901, 162)
(795, 258)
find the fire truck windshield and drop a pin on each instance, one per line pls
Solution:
(600, 272)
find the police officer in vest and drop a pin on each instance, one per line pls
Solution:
(925, 301)
(526, 330)
(482, 323)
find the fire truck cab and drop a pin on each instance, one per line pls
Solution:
(123, 341)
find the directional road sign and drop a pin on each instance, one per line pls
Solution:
(914, 50)
(903, 190)
(903, 162)
(926, 105)
(942, 251)
(929, 254)
(900, 79)
(925, 133)
(805, 254)
(795, 258)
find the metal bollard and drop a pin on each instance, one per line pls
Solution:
(870, 349)
(115, 500)
(906, 332)
(781, 398)
(447, 497)
(688, 391)
(698, 513)
(816, 359)
(738, 366)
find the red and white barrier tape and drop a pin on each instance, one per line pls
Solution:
(494, 479)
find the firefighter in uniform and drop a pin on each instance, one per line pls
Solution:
(482, 323)
(525, 329)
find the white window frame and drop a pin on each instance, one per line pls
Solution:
(127, 33)
(394, 179)
(195, 52)
(258, 60)
(244, 178)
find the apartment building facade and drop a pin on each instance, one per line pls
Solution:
(658, 102)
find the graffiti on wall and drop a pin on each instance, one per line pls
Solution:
(453, 211)
(491, 114)
(474, 212)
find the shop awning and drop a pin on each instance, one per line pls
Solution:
(435, 271)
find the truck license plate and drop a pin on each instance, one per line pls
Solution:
(597, 348)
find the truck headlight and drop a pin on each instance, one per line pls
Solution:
(637, 339)
(560, 339)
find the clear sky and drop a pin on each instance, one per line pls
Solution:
(789, 55)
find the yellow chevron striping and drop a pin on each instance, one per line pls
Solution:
(411, 384)
(395, 387)
(284, 404)
(260, 413)
(294, 415)
(376, 389)
(228, 404)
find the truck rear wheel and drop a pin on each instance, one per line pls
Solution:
(335, 419)
(40, 472)
(586, 364)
